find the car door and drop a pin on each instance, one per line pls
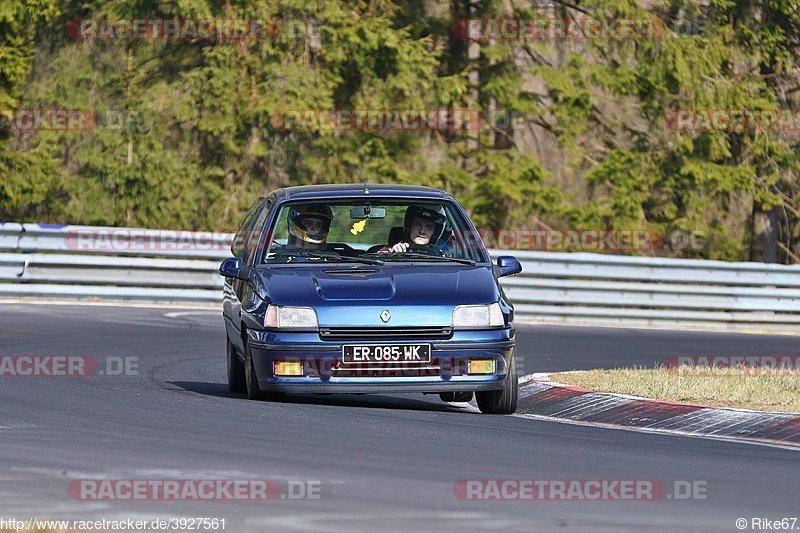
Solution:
(234, 289)
(252, 255)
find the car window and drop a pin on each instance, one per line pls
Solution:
(245, 228)
(255, 233)
(344, 229)
(349, 234)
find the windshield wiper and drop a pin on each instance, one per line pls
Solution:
(416, 255)
(326, 255)
(438, 258)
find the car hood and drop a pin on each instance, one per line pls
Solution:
(355, 295)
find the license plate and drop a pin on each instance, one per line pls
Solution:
(391, 353)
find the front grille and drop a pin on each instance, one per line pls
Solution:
(379, 333)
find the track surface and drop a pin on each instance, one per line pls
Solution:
(386, 463)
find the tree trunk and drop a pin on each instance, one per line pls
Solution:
(473, 55)
(764, 238)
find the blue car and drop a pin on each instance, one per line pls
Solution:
(367, 289)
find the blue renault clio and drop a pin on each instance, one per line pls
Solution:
(367, 288)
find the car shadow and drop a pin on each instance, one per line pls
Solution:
(374, 401)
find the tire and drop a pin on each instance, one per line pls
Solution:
(503, 401)
(456, 396)
(236, 373)
(251, 380)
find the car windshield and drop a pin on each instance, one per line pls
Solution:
(372, 231)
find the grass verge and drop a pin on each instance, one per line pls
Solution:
(723, 387)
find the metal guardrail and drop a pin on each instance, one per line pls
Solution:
(92, 240)
(9, 235)
(123, 264)
(85, 263)
(596, 288)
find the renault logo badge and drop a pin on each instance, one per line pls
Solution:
(386, 315)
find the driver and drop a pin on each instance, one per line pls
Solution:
(422, 228)
(309, 226)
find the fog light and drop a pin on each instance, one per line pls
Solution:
(481, 366)
(287, 368)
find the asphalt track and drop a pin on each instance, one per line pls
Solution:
(384, 463)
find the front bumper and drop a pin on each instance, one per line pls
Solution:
(324, 372)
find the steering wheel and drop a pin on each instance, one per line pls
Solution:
(417, 248)
(343, 249)
(422, 248)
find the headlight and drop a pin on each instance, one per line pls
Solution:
(477, 316)
(291, 317)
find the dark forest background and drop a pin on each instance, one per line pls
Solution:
(574, 135)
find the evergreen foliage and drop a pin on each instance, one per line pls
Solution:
(576, 133)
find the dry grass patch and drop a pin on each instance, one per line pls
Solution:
(724, 387)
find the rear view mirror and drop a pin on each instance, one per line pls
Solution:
(358, 213)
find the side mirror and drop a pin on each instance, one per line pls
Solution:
(232, 268)
(507, 265)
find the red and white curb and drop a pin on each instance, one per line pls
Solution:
(541, 398)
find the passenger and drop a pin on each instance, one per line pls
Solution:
(422, 229)
(309, 226)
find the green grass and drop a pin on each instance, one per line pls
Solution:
(705, 386)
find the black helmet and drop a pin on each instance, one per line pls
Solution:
(434, 215)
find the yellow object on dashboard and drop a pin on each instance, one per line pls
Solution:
(358, 227)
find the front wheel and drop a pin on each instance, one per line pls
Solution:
(503, 401)
(251, 380)
(236, 374)
(254, 392)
